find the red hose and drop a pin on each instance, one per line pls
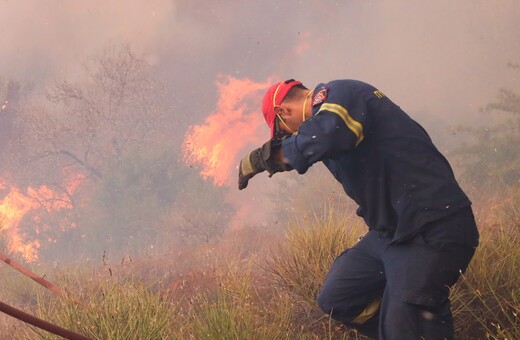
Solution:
(36, 322)
(18, 266)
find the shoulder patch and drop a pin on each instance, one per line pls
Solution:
(320, 97)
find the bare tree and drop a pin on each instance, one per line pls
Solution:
(91, 123)
(492, 159)
(12, 95)
(82, 127)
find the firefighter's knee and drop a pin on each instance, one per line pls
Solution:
(330, 302)
(325, 302)
(348, 311)
(416, 314)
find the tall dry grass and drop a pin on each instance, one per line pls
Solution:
(20, 292)
(269, 294)
(486, 301)
(244, 307)
(299, 264)
(310, 246)
(110, 309)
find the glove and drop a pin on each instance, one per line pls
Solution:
(260, 160)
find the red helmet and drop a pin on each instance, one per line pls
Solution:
(274, 96)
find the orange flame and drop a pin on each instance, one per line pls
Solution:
(15, 206)
(215, 145)
(12, 210)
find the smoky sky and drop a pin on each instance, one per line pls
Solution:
(439, 60)
(446, 58)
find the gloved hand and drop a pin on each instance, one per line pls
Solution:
(260, 160)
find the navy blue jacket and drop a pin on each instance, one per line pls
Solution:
(385, 160)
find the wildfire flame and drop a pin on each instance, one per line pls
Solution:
(215, 145)
(16, 205)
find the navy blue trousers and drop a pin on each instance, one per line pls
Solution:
(401, 291)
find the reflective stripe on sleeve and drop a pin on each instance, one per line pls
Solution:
(246, 166)
(351, 123)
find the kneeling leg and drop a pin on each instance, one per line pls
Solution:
(353, 289)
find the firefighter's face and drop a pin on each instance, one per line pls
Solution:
(289, 117)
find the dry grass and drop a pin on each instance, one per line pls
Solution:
(243, 308)
(311, 245)
(299, 264)
(237, 292)
(486, 302)
(96, 303)
(20, 292)
(111, 309)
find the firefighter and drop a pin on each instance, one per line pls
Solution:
(395, 282)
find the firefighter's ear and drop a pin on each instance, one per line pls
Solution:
(282, 112)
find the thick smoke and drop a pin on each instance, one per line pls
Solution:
(444, 57)
(439, 60)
